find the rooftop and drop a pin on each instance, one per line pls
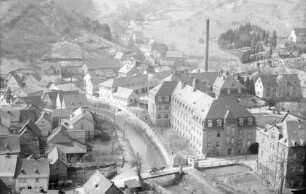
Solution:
(8, 165)
(9, 144)
(33, 168)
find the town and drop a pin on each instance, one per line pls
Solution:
(146, 117)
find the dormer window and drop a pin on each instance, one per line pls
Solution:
(209, 123)
(159, 99)
(250, 121)
(241, 121)
(166, 98)
(219, 123)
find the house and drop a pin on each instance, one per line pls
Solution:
(100, 63)
(29, 135)
(65, 87)
(282, 87)
(58, 165)
(9, 144)
(8, 165)
(80, 122)
(31, 79)
(213, 127)
(49, 98)
(45, 124)
(281, 153)
(14, 81)
(124, 96)
(128, 70)
(51, 69)
(99, 184)
(28, 91)
(297, 36)
(92, 82)
(159, 103)
(176, 56)
(226, 85)
(59, 114)
(73, 149)
(138, 83)
(15, 118)
(32, 174)
(71, 101)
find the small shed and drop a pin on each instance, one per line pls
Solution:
(132, 185)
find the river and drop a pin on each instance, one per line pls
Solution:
(140, 144)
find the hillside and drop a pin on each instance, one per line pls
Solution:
(28, 27)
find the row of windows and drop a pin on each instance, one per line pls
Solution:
(21, 180)
(161, 107)
(165, 116)
(136, 84)
(160, 99)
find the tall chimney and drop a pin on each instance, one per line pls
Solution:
(207, 45)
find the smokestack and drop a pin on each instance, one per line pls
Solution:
(207, 45)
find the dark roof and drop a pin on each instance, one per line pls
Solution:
(131, 184)
(166, 88)
(31, 126)
(33, 100)
(33, 168)
(271, 80)
(220, 106)
(299, 31)
(98, 184)
(227, 82)
(75, 100)
(9, 144)
(19, 115)
(61, 112)
(3, 188)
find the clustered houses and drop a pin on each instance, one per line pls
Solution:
(281, 155)
(283, 87)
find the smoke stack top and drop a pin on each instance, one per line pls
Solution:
(207, 45)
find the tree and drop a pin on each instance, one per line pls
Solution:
(139, 169)
(9, 95)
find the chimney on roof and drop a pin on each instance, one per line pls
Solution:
(36, 170)
(207, 45)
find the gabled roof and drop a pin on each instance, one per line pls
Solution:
(8, 165)
(165, 88)
(30, 125)
(36, 76)
(97, 184)
(123, 81)
(33, 168)
(70, 148)
(271, 80)
(17, 78)
(227, 82)
(123, 92)
(66, 87)
(9, 144)
(128, 68)
(57, 154)
(220, 106)
(75, 100)
(46, 116)
(59, 135)
(77, 115)
(300, 31)
(293, 133)
(55, 66)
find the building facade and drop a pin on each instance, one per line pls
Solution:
(281, 154)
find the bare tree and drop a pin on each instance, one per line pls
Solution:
(139, 169)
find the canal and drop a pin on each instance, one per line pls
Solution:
(140, 144)
(149, 153)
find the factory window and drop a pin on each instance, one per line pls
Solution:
(250, 121)
(209, 123)
(219, 123)
(240, 121)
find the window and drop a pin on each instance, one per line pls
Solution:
(159, 107)
(158, 116)
(209, 123)
(37, 180)
(159, 99)
(250, 121)
(166, 107)
(240, 121)
(219, 123)
(228, 91)
(218, 133)
(166, 116)
(166, 98)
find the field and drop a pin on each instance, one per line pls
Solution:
(245, 181)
